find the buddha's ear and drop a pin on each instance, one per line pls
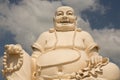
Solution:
(54, 20)
(76, 21)
(75, 17)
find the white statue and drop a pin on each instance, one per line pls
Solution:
(65, 52)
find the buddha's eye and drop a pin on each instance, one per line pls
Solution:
(59, 13)
(69, 13)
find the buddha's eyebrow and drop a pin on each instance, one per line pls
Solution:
(70, 11)
(58, 12)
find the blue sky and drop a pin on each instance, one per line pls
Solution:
(111, 16)
(21, 21)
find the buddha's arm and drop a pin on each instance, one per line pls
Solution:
(38, 49)
(35, 55)
(91, 49)
(94, 56)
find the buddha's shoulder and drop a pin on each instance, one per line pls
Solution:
(47, 33)
(79, 30)
(84, 32)
(44, 34)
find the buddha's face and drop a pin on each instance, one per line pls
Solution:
(65, 20)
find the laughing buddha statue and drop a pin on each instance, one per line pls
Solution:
(64, 52)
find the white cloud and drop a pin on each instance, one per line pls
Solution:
(1, 65)
(109, 42)
(30, 18)
(81, 5)
(1, 62)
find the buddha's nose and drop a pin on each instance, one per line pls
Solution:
(64, 17)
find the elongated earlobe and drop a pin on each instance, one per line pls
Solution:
(75, 17)
(54, 19)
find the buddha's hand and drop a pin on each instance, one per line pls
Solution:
(13, 49)
(95, 59)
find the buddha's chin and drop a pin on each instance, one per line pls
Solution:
(65, 27)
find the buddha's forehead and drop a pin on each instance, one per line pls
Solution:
(65, 8)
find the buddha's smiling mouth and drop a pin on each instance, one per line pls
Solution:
(62, 21)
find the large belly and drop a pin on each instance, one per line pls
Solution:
(61, 60)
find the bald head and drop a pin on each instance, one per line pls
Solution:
(65, 8)
(64, 19)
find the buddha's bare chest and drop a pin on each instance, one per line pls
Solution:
(64, 39)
